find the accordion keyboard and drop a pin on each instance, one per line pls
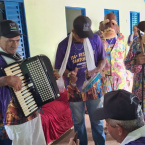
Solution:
(24, 96)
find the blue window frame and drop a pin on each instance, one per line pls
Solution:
(134, 20)
(116, 12)
(14, 10)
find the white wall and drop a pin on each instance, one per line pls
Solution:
(46, 20)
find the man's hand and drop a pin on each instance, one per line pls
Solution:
(73, 77)
(93, 72)
(99, 68)
(71, 142)
(56, 74)
(13, 82)
(140, 59)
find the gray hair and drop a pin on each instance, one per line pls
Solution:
(128, 125)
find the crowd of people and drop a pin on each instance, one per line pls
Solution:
(80, 58)
(115, 80)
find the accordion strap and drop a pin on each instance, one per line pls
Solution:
(15, 57)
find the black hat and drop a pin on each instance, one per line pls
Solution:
(82, 26)
(141, 26)
(120, 105)
(9, 29)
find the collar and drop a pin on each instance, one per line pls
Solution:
(134, 135)
(2, 50)
(7, 59)
(113, 38)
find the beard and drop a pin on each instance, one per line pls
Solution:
(109, 33)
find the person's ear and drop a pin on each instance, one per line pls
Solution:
(119, 129)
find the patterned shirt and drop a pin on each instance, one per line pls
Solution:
(136, 69)
(115, 71)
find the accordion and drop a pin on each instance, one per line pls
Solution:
(38, 83)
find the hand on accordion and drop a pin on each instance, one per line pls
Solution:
(14, 82)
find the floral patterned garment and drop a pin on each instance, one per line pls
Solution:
(75, 95)
(136, 69)
(115, 71)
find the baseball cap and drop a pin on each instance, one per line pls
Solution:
(82, 26)
(119, 105)
(9, 29)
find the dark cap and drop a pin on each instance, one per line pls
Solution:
(82, 26)
(119, 105)
(141, 26)
(9, 29)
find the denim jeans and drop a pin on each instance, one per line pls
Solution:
(3, 139)
(5, 142)
(78, 116)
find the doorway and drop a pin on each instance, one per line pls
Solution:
(71, 14)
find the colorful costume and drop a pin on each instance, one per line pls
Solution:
(115, 71)
(136, 69)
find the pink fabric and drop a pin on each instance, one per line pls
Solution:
(56, 119)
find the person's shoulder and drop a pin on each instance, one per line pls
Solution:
(64, 42)
(95, 38)
(129, 35)
(98, 32)
(2, 62)
(140, 141)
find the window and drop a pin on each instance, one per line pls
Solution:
(134, 20)
(116, 12)
(15, 11)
